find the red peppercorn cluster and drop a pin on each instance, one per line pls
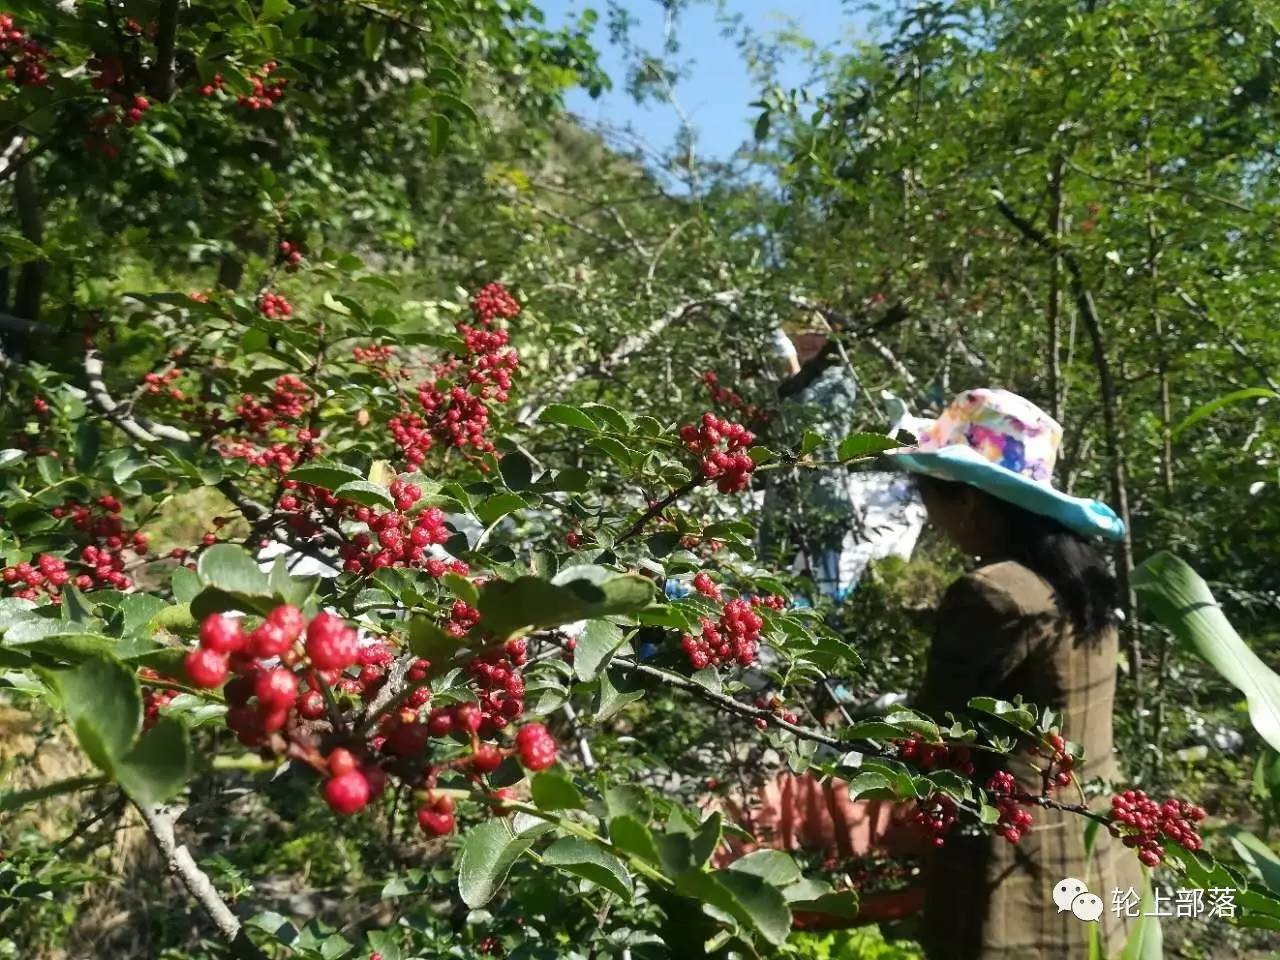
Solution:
(290, 253)
(374, 355)
(735, 638)
(435, 817)
(103, 557)
(153, 699)
(1061, 763)
(731, 400)
(455, 400)
(24, 57)
(934, 816)
(289, 400)
(778, 707)
(722, 446)
(1015, 820)
(573, 539)
(703, 583)
(265, 91)
(496, 678)
(1142, 823)
(156, 383)
(536, 746)
(494, 302)
(936, 756)
(137, 109)
(275, 307)
(209, 89)
(47, 575)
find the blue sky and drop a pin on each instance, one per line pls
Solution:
(718, 90)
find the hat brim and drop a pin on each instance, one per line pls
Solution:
(1089, 518)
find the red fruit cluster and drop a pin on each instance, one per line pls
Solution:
(495, 675)
(462, 617)
(703, 583)
(776, 705)
(290, 253)
(137, 109)
(934, 816)
(374, 355)
(731, 400)
(536, 746)
(1015, 820)
(103, 558)
(396, 539)
(288, 401)
(1058, 772)
(494, 302)
(46, 576)
(25, 57)
(722, 446)
(455, 401)
(209, 89)
(153, 699)
(275, 307)
(735, 638)
(265, 92)
(156, 383)
(573, 539)
(435, 817)
(1143, 823)
(936, 756)
(352, 785)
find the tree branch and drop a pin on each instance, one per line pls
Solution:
(1111, 432)
(180, 863)
(164, 73)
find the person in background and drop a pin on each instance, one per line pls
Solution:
(1035, 618)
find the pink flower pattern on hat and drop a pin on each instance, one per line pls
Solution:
(1003, 427)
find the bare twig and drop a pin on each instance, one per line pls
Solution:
(160, 823)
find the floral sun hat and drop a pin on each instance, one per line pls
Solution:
(1005, 445)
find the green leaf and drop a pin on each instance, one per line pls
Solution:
(10, 456)
(231, 569)
(461, 587)
(743, 898)
(102, 703)
(498, 506)
(576, 593)
(517, 471)
(273, 10)
(487, 854)
(1213, 406)
(629, 834)
(591, 862)
(1019, 716)
(773, 866)
(843, 903)
(88, 443)
(568, 416)
(858, 445)
(761, 128)
(612, 699)
(811, 441)
(596, 646)
(663, 542)
(1146, 939)
(554, 792)
(1182, 602)
(365, 493)
(1262, 862)
(375, 38)
(157, 767)
(871, 784)
(706, 839)
(327, 476)
(428, 641)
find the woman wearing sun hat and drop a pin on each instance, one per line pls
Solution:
(1034, 618)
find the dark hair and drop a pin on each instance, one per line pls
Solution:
(1076, 570)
